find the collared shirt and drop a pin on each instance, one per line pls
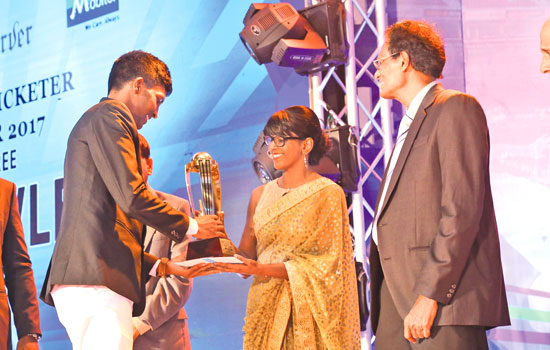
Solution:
(403, 128)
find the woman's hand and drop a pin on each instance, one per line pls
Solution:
(251, 267)
(248, 267)
(190, 272)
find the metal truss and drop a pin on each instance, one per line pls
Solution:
(370, 117)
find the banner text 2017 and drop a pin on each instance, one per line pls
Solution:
(24, 128)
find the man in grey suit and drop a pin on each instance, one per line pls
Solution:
(163, 323)
(436, 272)
(98, 269)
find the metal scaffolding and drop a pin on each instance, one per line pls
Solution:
(364, 110)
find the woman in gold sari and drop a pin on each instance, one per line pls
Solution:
(297, 244)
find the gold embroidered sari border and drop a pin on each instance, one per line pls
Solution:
(290, 200)
(280, 319)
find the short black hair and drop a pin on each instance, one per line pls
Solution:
(299, 121)
(423, 44)
(140, 64)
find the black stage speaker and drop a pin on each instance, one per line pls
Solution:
(328, 19)
(343, 154)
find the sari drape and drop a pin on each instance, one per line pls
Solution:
(317, 308)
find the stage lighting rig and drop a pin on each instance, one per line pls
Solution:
(308, 40)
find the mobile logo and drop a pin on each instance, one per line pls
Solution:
(79, 11)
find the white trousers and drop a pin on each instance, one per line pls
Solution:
(95, 317)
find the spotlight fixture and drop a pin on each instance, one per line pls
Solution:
(278, 33)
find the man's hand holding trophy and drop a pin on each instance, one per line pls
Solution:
(209, 226)
(211, 242)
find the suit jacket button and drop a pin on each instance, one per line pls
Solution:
(453, 286)
(449, 295)
(451, 290)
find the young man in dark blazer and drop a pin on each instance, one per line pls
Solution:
(17, 276)
(99, 269)
(436, 272)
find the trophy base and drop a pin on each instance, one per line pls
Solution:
(211, 247)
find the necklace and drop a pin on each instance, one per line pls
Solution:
(282, 190)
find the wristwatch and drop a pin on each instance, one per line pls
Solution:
(36, 336)
(161, 271)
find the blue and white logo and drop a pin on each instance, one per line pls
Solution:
(79, 11)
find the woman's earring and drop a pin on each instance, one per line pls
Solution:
(305, 161)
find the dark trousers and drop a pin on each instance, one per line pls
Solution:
(389, 335)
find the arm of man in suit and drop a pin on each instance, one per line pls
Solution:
(113, 150)
(170, 295)
(19, 278)
(463, 148)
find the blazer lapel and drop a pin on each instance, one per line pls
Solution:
(149, 233)
(382, 184)
(409, 141)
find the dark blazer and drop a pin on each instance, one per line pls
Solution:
(165, 297)
(105, 203)
(437, 233)
(18, 275)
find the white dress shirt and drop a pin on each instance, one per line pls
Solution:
(401, 136)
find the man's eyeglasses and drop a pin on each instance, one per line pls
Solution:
(378, 63)
(280, 141)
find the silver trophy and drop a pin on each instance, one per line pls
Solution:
(210, 204)
(209, 172)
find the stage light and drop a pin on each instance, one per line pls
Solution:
(278, 33)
